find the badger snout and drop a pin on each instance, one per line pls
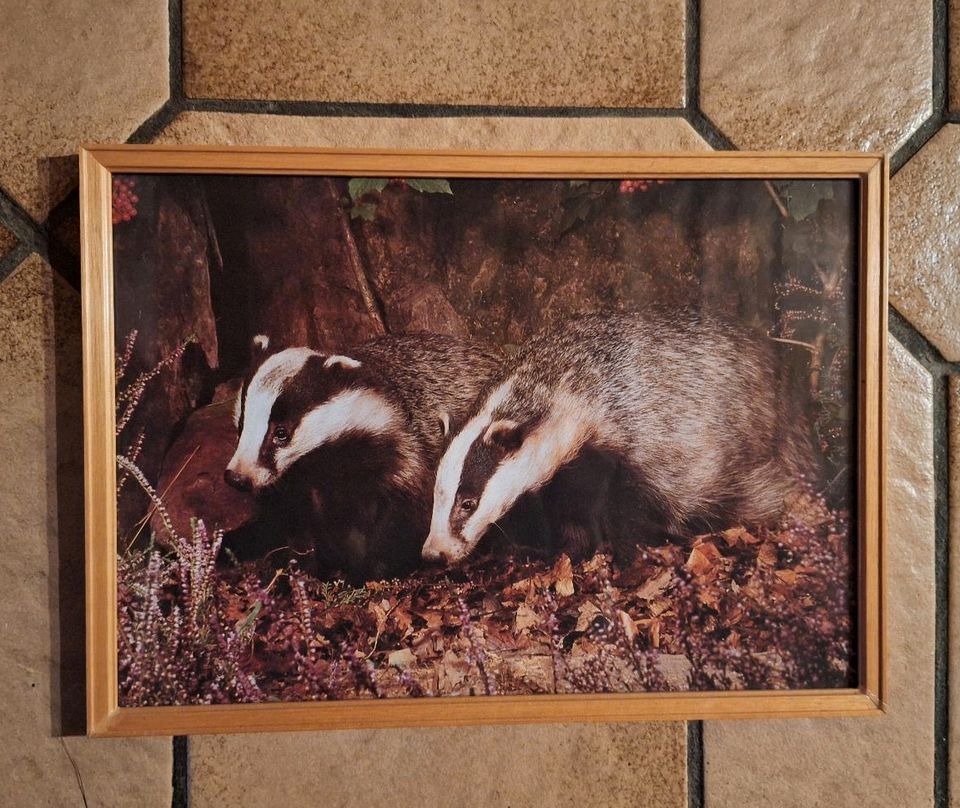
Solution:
(237, 480)
(441, 550)
(433, 554)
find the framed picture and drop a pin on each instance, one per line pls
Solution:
(425, 438)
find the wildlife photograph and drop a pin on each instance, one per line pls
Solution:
(397, 437)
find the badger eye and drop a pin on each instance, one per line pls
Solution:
(281, 436)
(468, 505)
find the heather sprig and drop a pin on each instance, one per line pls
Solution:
(476, 653)
(131, 395)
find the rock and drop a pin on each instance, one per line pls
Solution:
(423, 307)
(191, 478)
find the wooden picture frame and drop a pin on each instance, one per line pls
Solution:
(98, 165)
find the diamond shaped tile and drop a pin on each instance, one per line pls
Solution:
(925, 241)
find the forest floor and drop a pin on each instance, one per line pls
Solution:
(729, 610)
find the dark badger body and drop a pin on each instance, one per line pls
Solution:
(344, 449)
(634, 427)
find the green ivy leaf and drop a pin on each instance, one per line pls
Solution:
(802, 197)
(359, 186)
(430, 186)
(363, 210)
(577, 209)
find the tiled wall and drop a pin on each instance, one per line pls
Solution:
(546, 74)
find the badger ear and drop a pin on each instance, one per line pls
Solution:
(339, 361)
(444, 418)
(505, 434)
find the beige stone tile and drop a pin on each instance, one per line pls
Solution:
(608, 53)
(544, 134)
(881, 761)
(954, 593)
(925, 241)
(72, 73)
(585, 765)
(41, 567)
(7, 241)
(777, 74)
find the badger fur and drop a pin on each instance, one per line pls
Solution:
(347, 445)
(639, 427)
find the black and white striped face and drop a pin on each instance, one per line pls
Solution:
(297, 401)
(492, 462)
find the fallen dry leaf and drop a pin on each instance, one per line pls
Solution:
(656, 585)
(585, 615)
(562, 575)
(525, 618)
(702, 558)
(739, 536)
(403, 658)
(768, 554)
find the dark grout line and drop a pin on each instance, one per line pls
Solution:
(692, 55)
(176, 50)
(708, 130)
(941, 665)
(181, 772)
(363, 109)
(941, 471)
(22, 225)
(156, 123)
(924, 351)
(941, 52)
(695, 116)
(916, 141)
(696, 793)
(938, 90)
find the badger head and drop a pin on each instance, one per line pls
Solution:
(296, 401)
(497, 457)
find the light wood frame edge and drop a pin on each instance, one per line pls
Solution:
(106, 718)
(99, 444)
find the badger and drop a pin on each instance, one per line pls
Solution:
(641, 427)
(347, 445)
